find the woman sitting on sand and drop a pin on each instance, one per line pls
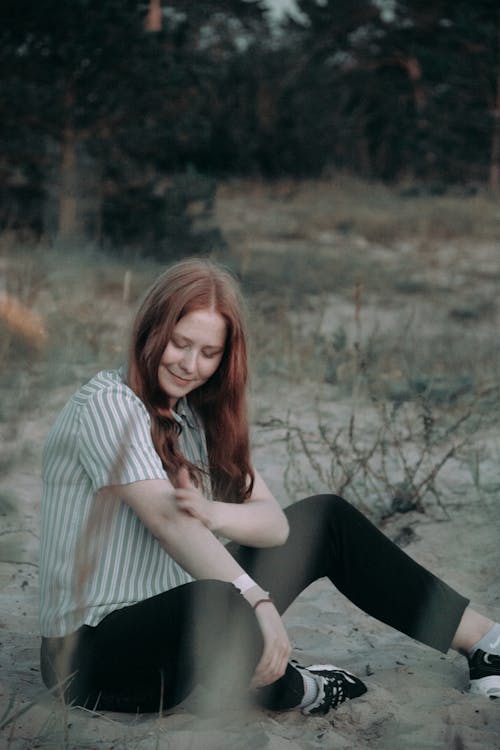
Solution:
(147, 473)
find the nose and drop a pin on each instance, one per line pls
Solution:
(188, 361)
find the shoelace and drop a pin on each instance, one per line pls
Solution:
(334, 690)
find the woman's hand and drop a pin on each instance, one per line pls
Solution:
(190, 500)
(277, 648)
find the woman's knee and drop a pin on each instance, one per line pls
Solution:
(325, 505)
(324, 518)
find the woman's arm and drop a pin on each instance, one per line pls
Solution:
(203, 556)
(258, 522)
(183, 536)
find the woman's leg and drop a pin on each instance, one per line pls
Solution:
(471, 629)
(329, 537)
(151, 654)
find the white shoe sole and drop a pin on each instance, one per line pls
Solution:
(487, 686)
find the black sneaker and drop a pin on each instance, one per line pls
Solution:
(485, 674)
(335, 686)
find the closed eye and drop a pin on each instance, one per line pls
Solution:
(180, 344)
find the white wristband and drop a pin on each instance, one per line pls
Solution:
(243, 583)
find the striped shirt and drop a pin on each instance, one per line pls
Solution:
(96, 555)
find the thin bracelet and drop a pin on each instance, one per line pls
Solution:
(262, 601)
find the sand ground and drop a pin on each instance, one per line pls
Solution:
(417, 698)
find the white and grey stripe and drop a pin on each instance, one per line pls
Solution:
(102, 437)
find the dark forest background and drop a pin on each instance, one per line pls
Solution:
(118, 118)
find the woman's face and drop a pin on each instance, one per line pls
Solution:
(193, 353)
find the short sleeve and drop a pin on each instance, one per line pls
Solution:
(115, 444)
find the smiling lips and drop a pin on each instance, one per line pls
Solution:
(179, 377)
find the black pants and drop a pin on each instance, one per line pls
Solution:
(154, 652)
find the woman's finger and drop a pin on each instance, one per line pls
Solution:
(183, 479)
(270, 668)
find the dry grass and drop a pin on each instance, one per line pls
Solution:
(347, 205)
(386, 301)
(348, 284)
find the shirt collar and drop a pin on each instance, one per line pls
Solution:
(183, 413)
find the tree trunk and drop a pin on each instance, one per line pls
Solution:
(67, 224)
(495, 143)
(153, 19)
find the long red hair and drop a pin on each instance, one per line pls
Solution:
(221, 401)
